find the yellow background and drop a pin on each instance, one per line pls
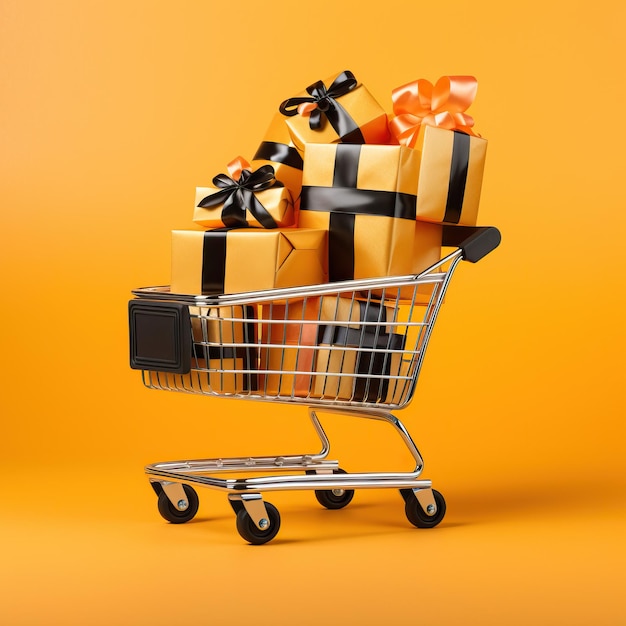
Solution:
(111, 113)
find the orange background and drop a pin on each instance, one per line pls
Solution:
(111, 114)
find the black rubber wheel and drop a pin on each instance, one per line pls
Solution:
(335, 498)
(169, 512)
(249, 530)
(418, 517)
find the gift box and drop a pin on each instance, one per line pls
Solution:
(220, 335)
(450, 178)
(278, 150)
(373, 352)
(432, 119)
(365, 196)
(247, 197)
(246, 259)
(286, 332)
(338, 109)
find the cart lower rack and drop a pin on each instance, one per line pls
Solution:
(353, 348)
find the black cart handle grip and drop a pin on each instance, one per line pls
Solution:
(474, 241)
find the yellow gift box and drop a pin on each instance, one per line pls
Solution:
(277, 149)
(338, 109)
(247, 259)
(248, 197)
(364, 195)
(451, 175)
(357, 361)
(433, 119)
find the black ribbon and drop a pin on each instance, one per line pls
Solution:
(239, 196)
(458, 177)
(213, 261)
(328, 108)
(359, 201)
(279, 153)
(374, 366)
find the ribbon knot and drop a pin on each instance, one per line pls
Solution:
(322, 100)
(444, 104)
(237, 194)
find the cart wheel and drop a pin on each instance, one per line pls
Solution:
(249, 530)
(335, 498)
(169, 512)
(416, 515)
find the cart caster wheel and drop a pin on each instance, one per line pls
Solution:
(169, 512)
(249, 530)
(418, 517)
(335, 498)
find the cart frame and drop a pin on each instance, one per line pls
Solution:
(258, 521)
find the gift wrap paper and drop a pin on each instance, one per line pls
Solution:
(294, 327)
(450, 178)
(427, 250)
(364, 195)
(278, 150)
(247, 259)
(276, 200)
(339, 353)
(363, 120)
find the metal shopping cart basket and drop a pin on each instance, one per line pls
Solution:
(353, 348)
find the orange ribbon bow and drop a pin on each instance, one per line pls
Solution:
(444, 104)
(236, 166)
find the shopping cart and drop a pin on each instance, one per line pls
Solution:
(352, 348)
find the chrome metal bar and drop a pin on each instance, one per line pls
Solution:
(374, 480)
(427, 277)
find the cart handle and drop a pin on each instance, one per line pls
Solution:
(475, 242)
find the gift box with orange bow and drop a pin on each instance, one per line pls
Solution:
(432, 119)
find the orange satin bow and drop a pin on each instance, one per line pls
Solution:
(443, 105)
(236, 166)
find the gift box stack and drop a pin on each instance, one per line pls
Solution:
(338, 190)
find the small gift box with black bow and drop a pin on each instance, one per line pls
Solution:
(336, 110)
(244, 198)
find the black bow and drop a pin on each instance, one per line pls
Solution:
(327, 105)
(238, 196)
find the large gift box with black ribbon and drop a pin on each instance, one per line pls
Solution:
(246, 259)
(357, 361)
(245, 197)
(338, 109)
(365, 196)
(432, 119)
(224, 349)
(277, 149)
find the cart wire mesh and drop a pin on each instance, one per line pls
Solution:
(355, 343)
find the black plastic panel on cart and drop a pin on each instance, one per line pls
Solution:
(160, 338)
